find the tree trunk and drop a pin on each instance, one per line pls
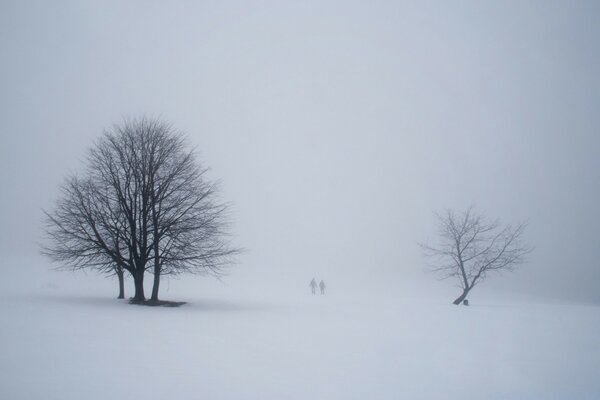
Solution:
(138, 281)
(156, 284)
(157, 258)
(121, 285)
(463, 296)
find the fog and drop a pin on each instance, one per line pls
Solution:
(336, 129)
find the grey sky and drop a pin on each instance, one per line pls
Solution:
(335, 127)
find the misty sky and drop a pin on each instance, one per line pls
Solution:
(336, 128)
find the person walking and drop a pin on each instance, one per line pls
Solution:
(313, 285)
(322, 286)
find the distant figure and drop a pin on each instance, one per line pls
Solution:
(322, 286)
(313, 285)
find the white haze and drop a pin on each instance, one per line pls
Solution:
(335, 129)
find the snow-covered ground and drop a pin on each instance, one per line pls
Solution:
(65, 344)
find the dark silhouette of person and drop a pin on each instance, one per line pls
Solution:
(313, 285)
(322, 286)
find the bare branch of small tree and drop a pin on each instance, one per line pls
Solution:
(470, 247)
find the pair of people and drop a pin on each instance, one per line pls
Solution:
(313, 286)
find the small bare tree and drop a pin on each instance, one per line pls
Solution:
(470, 248)
(80, 237)
(144, 203)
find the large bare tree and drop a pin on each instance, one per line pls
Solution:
(144, 203)
(470, 247)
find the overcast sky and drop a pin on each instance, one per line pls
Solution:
(336, 128)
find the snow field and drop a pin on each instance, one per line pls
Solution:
(74, 346)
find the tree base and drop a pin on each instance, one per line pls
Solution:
(462, 298)
(157, 303)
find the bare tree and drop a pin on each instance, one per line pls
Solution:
(189, 225)
(145, 203)
(470, 248)
(79, 239)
